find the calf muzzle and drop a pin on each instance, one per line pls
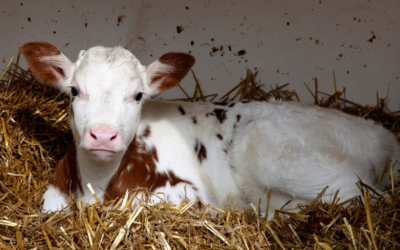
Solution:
(103, 138)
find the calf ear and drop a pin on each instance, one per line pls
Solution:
(168, 71)
(47, 62)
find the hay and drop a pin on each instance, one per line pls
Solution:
(35, 133)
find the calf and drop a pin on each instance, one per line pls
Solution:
(224, 153)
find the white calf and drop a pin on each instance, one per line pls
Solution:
(225, 153)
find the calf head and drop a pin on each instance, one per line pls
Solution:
(107, 87)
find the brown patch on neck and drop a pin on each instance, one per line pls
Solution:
(181, 62)
(146, 132)
(34, 52)
(66, 176)
(138, 170)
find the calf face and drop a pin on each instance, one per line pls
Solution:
(107, 87)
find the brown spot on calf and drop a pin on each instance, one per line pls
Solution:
(220, 137)
(146, 132)
(66, 177)
(200, 151)
(194, 120)
(219, 113)
(237, 121)
(181, 110)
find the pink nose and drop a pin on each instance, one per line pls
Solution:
(103, 138)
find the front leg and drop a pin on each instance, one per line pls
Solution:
(54, 200)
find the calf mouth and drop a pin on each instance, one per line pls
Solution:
(102, 154)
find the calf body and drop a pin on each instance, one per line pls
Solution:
(224, 153)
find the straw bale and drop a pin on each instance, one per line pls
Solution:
(35, 133)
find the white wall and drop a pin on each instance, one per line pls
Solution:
(291, 41)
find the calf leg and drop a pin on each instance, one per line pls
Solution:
(54, 200)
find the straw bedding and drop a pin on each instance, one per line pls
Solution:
(35, 133)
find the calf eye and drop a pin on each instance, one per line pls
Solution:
(74, 91)
(138, 96)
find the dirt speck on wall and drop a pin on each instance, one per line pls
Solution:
(179, 29)
(240, 53)
(372, 38)
(120, 19)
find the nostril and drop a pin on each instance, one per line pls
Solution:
(112, 138)
(92, 135)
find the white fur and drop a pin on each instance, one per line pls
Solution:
(292, 149)
(54, 200)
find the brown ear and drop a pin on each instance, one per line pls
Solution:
(168, 71)
(46, 61)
